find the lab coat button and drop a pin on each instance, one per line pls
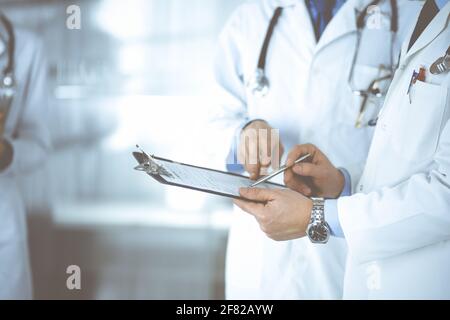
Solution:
(361, 187)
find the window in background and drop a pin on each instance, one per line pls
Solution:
(138, 71)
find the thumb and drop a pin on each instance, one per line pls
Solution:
(256, 194)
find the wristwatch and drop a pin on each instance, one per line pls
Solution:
(318, 229)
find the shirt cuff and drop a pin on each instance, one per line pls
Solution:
(347, 191)
(232, 163)
(332, 218)
(331, 211)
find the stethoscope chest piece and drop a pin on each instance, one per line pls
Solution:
(8, 81)
(259, 84)
(7, 87)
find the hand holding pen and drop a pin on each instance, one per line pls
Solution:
(280, 170)
(315, 177)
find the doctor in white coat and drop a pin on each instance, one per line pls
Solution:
(397, 226)
(24, 142)
(311, 99)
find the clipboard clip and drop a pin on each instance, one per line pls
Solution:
(148, 164)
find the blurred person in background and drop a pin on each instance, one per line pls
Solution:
(24, 143)
(327, 64)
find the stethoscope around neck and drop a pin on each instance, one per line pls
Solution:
(374, 88)
(259, 84)
(7, 81)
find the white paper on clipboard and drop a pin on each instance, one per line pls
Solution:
(197, 178)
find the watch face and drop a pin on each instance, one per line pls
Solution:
(319, 233)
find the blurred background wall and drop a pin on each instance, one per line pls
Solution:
(138, 71)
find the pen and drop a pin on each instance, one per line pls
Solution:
(421, 75)
(411, 82)
(281, 169)
(416, 76)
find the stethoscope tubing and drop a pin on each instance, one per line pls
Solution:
(262, 83)
(9, 68)
(268, 37)
(360, 23)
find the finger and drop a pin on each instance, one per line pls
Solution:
(301, 150)
(250, 207)
(265, 161)
(253, 170)
(242, 151)
(264, 150)
(296, 183)
(252, 164)
(257, 194)
(288, 176)
(306, 186)
(264, 171)
(307, 169)
(277, 153)
(281, 148)
(304, 189)
(300, 187)
(241, 155)
(294, 154)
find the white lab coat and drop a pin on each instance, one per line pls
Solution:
(398, 226)
(310, 101)
(26, 131)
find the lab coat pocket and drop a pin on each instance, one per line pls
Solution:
(416, 129)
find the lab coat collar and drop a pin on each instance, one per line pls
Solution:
(436, 26)
(343, 22)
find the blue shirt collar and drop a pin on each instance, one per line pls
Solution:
(441, 3)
